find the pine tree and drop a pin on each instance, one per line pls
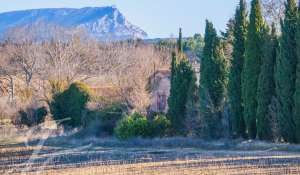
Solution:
(286, 72)
(252, 63)
(235, 75)
(266, 85)
(213, 82)
(297, 90)
(182, 76)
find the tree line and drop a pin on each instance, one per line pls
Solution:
(252, 90)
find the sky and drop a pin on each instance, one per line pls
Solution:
(159, 18)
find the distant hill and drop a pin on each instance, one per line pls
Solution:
(103, 23)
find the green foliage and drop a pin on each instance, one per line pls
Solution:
(110, 116)
(235, 74)
(214, 68)
(252, 63)
(70, 104)
(266, 86)
(179, 96)
(192, 107)
(286, 73)
(102, 122)
(173, 70)
(213, 81)
(135, 125)
(181, 79)
(160, 125)
(31, 116)
(297, 86)
(194, 44)
(179, 42)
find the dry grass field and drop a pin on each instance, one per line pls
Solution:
(173, 156)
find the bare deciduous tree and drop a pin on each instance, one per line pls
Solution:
(129, 68)
(24, 58)
(68, 60)
(7, 77)
(125, 66)
(273, 10)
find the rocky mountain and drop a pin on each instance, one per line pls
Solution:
(103, 23)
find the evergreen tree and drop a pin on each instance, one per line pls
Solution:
(212, 82)
(182, 76)
(192, 106)
(173, 69)
(266, 85)
(235, 75)
(297, 90)
(252, 63)
(182, 82)
(286, 72)
(179, 42)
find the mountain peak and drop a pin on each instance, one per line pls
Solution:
(104, 23)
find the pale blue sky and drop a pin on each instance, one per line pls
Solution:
(159, 18)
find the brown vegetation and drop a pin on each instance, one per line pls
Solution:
(32, 70)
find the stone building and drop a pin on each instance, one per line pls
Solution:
(160, 90)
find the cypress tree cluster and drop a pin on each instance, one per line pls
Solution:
(182, 87)
(235, 74)
(262, 84)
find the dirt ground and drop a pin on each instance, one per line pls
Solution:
(173, 156)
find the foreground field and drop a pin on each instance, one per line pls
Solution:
(230, 165)
(177, 156)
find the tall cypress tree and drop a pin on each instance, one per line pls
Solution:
(213, 82)
(182, 76)
(192, 108)
(208, 64)
(297, 90)
(286, 72)
(266, 85)
(235, 75)
(253, 57)
(210, 40)
(179, 42)
(173, 69)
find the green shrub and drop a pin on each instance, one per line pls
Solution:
(31, 116)
(102, 122)
(160, 125)
(110, 116)
(71, 104)
(135, 125)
